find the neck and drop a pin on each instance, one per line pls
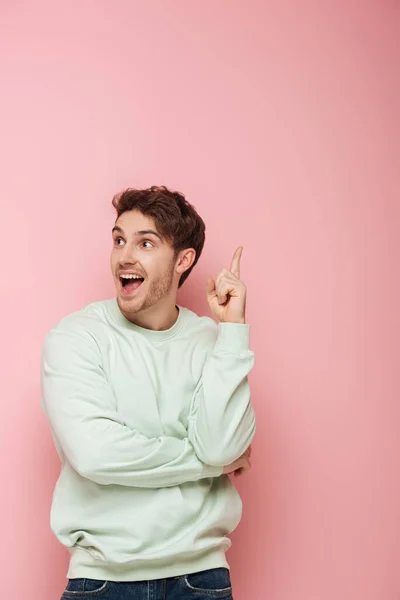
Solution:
(160, 317)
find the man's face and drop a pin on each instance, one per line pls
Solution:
(142, 263)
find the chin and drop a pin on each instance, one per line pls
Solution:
(128, 304)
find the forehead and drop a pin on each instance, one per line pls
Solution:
(134, 220)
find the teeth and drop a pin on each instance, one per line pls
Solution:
(130, 276)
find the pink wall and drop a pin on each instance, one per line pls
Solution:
(278, 120)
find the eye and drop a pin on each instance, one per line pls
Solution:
(147, 242)
(117, 241)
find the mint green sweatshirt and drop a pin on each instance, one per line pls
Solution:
(143, 422)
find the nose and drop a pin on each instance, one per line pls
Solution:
(128, 254)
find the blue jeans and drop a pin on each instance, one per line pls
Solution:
(204, 585)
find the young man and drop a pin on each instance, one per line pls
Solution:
(149, 408)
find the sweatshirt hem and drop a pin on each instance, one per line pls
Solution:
(84, 565)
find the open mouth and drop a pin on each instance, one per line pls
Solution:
(130, 283)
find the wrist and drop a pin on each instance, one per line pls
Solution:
(236, 321)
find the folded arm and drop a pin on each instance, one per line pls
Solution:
(222, 420)
(81, 409)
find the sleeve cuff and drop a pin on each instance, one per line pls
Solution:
(232, 337)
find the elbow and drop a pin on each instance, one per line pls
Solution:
(222, 452)
(209, 453)
(219, 456)
(222, 444)
(84, 468)
(88, 467)
(212, 459)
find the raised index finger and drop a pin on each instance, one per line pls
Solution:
(235, 266)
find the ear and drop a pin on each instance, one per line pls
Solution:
(184, 260)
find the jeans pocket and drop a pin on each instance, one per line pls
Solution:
(85, 588)
(212, 583)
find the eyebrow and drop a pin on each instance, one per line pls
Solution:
(137, 233)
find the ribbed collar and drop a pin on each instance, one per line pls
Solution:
(155, 336)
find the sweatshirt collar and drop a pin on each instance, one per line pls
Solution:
(155, 336)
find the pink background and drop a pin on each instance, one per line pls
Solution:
(279, 121)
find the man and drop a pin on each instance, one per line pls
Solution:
(149, 408)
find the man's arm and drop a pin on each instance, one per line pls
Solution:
(80, 407)
(222, 421)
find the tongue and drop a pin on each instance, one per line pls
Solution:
(132, 285)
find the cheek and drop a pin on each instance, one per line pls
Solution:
(150, 264)
(113, 260)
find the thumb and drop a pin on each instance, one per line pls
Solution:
(210, 288)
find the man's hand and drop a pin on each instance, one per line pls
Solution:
(226, 295)
(241, 465)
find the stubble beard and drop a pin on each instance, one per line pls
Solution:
(159, 288)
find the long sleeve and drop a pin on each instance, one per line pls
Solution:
(81, 409)
(222, 420)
